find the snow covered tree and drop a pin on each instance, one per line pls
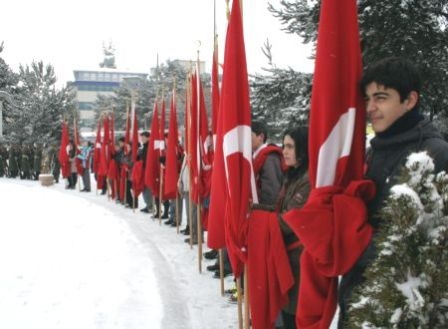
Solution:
(407, 285)
(8, 81)
(414, 29)
(281, 98)
(39, 106)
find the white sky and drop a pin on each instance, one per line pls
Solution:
(70, 34)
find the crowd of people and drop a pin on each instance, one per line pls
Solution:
(391, 88)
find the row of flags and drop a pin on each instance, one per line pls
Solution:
(220, 160)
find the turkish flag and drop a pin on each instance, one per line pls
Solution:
(97, 149)
(233, 156)
(104, 155)
(332, 226)
(152, 157)
(172, 172)
(63, 156)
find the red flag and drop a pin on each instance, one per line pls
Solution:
(332, 225)
(134, 127)
(215, 90)
(172, 172)
(63, 156)
(193, 140)
(78, 162)
(104, 157)
(234, 137)
(97, 149)
(127, 132)
(152, 157)
(205, 142)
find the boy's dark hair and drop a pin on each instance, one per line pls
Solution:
(258, 128)
(393, 72)
(144, 133)
(121, 139)
(300, 137)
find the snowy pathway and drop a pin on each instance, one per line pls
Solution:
(77, 260)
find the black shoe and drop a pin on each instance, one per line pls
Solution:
(213, 268)
(226, 272)
(186, 231)
(145, 210)
(212, 254)
(187, 240)
(165, 216)
(173, 224)
(169, 222)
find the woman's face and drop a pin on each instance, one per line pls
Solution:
(289, 152)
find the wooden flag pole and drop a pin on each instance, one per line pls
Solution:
(246, 299)
(221, 270)
(240, 306)
(199, 237)
(160, 194)
(178, 201)
(198, 116)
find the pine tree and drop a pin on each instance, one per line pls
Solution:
(281, 98)
(407, 285)
(39, 106)
(415, 29)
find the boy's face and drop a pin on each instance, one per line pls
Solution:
(384, 107)
(257, 141)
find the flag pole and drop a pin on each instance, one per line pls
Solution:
(240, 306)
(221, 270)
(198, 116)
(178, 199)
(190, 180)
(132, 126)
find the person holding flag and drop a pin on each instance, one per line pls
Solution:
(141, 156)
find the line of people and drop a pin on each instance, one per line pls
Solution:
(27, 161)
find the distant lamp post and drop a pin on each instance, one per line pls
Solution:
(4, 96)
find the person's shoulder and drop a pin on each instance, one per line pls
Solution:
(437, 148)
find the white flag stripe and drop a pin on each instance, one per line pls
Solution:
(239, 139)
(337, 145)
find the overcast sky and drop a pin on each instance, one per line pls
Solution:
(70, 34)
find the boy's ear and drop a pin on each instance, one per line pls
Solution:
(412, 100)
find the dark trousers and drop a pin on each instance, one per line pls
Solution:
(289, 320)
(72, 180)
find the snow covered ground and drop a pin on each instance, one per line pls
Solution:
(77, 260)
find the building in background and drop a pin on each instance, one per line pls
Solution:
(89, 84)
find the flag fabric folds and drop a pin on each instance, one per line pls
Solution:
(63, 156)
(233, 156)
(152, 157)
(332, 226)
(172, 170)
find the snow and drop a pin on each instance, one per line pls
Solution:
(78, 260)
